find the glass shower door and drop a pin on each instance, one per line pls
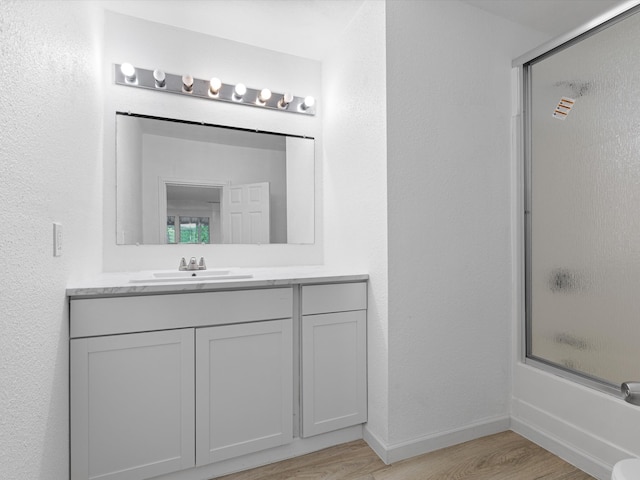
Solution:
(583, 205)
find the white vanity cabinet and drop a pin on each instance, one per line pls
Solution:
(203, 379)
(161, 383)
(334, 372)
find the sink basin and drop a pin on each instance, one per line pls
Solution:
(189, 276)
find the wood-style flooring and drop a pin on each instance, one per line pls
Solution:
(502, 456)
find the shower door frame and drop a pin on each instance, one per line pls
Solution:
(523, 154)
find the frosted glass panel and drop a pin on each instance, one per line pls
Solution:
(584, 224)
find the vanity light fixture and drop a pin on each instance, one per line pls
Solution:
(160, 78)
(284, 102)
(187, 83)
(215, 84)
(213, 89)
(129, 72)
(264, 96)
(239, 91)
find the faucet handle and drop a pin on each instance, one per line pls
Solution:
(631, 392)
(183, 264)
(201, 264)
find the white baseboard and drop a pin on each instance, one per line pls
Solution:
(377, 445)
(401, 451)
(580, 448)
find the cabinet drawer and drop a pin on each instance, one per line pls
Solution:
(336, 297)
(113, 315)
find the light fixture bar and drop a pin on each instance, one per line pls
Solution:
(202, 89)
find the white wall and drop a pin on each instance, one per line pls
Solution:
(448, 83)
(151, 45)
(355, 163)
(50, 159)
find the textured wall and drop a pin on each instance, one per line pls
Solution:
(356, 180)
(50, 157)
(448, 84)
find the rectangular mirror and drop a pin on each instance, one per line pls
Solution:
(186, 182)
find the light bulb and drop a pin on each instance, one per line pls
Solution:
(265, 95)
(215, 85)
(187, 83)
(308, 102)
(129, 72)
(240, 90)
(286, 99)
(159, 77)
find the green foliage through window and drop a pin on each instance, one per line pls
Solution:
(191, 230)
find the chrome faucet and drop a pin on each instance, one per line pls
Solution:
(192, 265)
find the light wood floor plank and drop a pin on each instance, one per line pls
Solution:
(504, 456)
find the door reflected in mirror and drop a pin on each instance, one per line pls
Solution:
(184, 182)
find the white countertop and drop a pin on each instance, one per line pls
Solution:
(112, 284)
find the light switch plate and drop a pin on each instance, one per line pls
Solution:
(57, 239)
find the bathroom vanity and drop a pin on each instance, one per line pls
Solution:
(168, 376)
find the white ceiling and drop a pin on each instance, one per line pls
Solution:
(553, 17)
(306, 28)
(309, 28)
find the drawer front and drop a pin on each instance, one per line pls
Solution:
(335, 297)
(108, 316)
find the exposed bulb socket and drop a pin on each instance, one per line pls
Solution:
(239, 91)
(129, 72)
(160, 78)
(284, 102)
(214, 86)
(187, 83)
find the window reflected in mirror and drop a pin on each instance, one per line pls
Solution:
(190, 229)
(196, 210)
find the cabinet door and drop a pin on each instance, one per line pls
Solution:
(132, 405)
(244, 389)
(334, 371)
